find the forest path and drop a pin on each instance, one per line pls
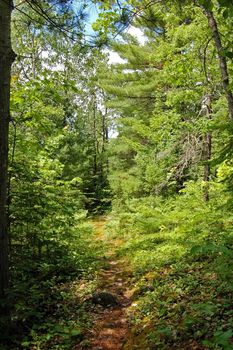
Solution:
(110, 330)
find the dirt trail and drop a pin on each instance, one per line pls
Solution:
(110, 329)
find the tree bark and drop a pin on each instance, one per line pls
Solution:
(6, 59)
(222, 60)
(95, 165)
(207, 157)
(207, 144)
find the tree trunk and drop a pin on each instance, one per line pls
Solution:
(95, 165)
(6, 59)
(207, 144)
(222, 60)
(207, 157)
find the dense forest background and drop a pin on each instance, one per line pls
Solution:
(147, 142)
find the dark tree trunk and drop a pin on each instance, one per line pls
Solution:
(104, 134)
(222, 60)
(6, 59)
(207, 144)
(95, 165)
(207, 157)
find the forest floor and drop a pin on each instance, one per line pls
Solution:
(110, 328)
(134, 292)
(148, 292)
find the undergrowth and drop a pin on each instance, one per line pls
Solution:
(181, 253)
(47, 295)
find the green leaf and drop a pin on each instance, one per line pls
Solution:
(224, 339)
(75, 332)
(229, 54)
(207, 4)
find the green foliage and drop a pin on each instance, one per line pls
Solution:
(179, 244)
(57, 176)
(181, 251)
(168, 174)
(46, 310)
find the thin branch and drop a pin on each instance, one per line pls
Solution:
(40, 11)
(21, 3)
